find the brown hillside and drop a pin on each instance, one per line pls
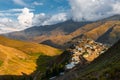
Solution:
(28, 47)
(19, 57)
(10, 58)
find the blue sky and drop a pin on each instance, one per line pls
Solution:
(39, 6)
(16, 15)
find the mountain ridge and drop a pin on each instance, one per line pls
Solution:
(60, 34)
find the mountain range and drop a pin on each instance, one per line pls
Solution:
(59, 35)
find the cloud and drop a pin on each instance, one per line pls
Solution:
(20, 2)
(12, 12)
(43, 19)
(93, 9)
(7, 14)
(57, 18)
(37, 3)
(17, 10)
(25, 18)
(39, 19)
(8, 25)
(24, 21)
(116, 8)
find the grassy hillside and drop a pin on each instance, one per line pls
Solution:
(29, 47)
(14, 62)
(19, 57)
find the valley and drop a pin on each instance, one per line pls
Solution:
(60, 40)
(58, 51)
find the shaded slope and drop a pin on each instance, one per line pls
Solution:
(100, 30)
(107, 32)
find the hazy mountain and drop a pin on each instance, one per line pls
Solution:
(48, 30)
(43, 33)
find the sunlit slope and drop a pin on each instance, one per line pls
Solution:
(29, 47)
(19, 57)
(14, 62)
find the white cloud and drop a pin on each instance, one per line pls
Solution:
(6, 14)
(37, 3)
(116, 8)
(24, 21)
(20, 2)
(93, 9)
(39, 19)
(57, 18)
(43, 19)
(8, 25)
(14, 10)
(25, 18)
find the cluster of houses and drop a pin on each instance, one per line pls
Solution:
(85, 49)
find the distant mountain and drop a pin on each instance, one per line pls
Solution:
(54, 33)
(106, 31)
(19, 57)
(105, 67)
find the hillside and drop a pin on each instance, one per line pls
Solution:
(58, 35)
(28, 47)
(105, 67)
(105, 33)
(52, 33)
(38, 32)
(25, 54)
(11, 57)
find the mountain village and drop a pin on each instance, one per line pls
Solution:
(85, 50)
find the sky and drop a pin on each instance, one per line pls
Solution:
(16, 15)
